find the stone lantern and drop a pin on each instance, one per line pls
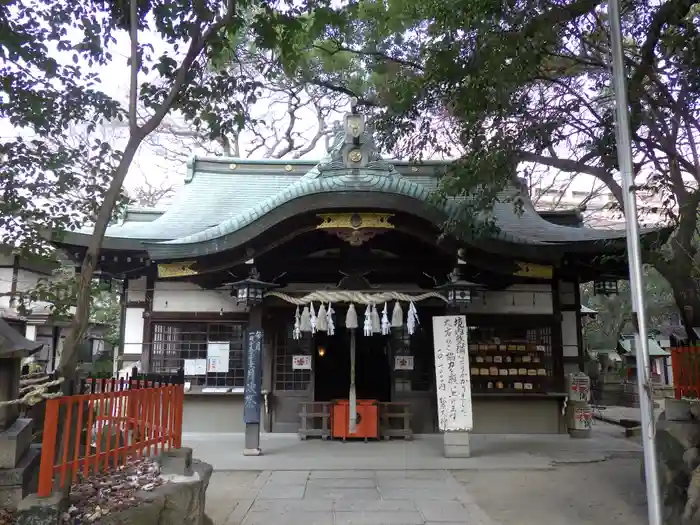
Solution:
(13, 348)
(17, 461)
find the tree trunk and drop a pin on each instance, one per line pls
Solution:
(685, 293)
(80, 321)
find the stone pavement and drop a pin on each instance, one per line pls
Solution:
(342, 497)
(617, 413)
(425, 452)
(410, 483)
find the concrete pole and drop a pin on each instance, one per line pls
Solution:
(624, 153)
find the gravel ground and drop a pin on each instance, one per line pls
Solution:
(605, 493)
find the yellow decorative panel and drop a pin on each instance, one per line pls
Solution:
(170, 270)
(538, 271)
(355, 221)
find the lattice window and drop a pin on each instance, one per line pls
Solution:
(419, 346)
(286, 347)
(173, 343)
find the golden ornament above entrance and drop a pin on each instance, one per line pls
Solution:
(170, 270)
(355, 228)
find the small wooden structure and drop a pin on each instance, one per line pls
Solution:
(367, 420)
(315, 420)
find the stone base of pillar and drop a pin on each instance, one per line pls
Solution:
(252, 440)
(14, 442)
(580, 434)
(456, 444)
(576, 414)
(18, 482)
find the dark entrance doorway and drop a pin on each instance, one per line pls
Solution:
(332, 370)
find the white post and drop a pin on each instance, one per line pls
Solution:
(353, 394)
(624, 154)
(30, 332)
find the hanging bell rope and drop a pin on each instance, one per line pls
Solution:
(344, 296)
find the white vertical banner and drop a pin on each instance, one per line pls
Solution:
(454, 394)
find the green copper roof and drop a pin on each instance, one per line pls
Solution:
(227, 201)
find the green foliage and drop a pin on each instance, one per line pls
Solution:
(57, 296)
(56, 173)
(510, 83)
(615, 311)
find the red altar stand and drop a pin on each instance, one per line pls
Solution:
(367, 419)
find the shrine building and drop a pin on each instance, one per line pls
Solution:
(338, 268)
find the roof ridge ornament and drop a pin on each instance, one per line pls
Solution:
(353, 146)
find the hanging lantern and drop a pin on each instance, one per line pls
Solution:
(458, 291)
(250, 291)
(605, 286)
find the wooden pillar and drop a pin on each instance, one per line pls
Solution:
(579, 326)
(147, 338)
(118, 352)
(268, 359)
(253, 383)
(557, 339)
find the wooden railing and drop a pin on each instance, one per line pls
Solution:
(116, 420)
(315, 419)
(685, 361)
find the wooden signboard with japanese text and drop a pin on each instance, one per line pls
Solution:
(454, 397)
(253, 377)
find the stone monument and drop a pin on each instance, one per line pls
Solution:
(18, 461)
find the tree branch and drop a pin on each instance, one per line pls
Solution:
(575, 166)
(135, 65)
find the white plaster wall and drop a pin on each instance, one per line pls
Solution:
(518, 299)
(188, 297)
(567, 293)
(5, 284)
(133, 330)
(136, 290)
(569, 334)
(26, 280)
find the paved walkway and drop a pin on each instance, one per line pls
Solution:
(617, 413)
(410, 483)
(351, 497)
(425, 452)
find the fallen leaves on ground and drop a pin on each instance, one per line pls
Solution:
(107, 492)
(7, 517)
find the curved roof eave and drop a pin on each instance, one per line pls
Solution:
(368, 189)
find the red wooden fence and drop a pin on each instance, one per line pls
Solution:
(685, 361)
(122, 419)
